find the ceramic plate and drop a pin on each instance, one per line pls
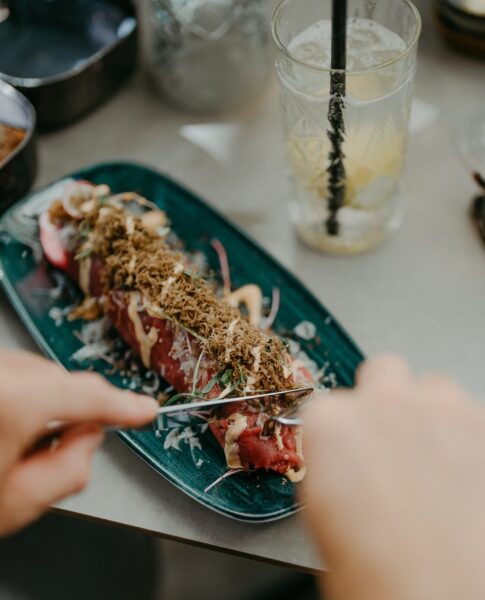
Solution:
(250, 497)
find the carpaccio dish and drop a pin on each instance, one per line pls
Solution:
(200, 336)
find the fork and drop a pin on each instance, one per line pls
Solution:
(55, 428)
(288, 417)
(190, 406)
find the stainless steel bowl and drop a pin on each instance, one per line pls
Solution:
(19, 168)
(67, 57)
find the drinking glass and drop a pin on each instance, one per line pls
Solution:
(382, 40)
(206, 56)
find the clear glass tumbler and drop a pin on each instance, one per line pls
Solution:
(382, 40)
(206, 56)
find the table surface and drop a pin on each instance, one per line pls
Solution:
(421, 294)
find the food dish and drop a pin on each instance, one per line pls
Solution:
(187, 329)
(34, 291)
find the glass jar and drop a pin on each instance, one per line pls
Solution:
(207, 55)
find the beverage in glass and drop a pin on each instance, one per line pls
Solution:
(382, 38)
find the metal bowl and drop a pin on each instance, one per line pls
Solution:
(67, 57)
(19, 168)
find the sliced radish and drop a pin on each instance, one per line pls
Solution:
(52, 244)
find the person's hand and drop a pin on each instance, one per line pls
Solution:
(33, 392)
(396, 487)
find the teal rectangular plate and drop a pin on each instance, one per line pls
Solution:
(252, 497)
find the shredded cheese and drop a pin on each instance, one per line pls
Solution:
(130, 225)
(256, 352)
(229, 336)
(166, 287)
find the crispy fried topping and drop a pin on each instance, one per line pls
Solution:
(137, 259)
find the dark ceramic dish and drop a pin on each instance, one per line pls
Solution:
(250, 497)
(19, 168)
(66, 57)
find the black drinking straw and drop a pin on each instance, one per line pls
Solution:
(336, 131)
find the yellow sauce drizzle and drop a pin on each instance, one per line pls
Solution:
(237, 424)
(251, 296)
(85, 275)
(145, 341)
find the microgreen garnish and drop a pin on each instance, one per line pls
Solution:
(174, 399)
(187, 397)
(196, 372)
(84, 253)
(243, 378)
(83, 231)
(226, 377)
(208, 387)
(192, 274)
